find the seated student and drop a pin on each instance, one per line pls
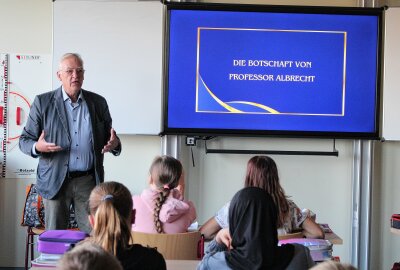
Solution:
(111, 216)
(88, 256)
(162, 208)
(252, 241)
(263, 173)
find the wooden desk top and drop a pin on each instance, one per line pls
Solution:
(333, 238)
(171, 265)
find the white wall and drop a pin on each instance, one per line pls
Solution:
(391, 84)
(385, 202)
(322, 184)
(26, 26)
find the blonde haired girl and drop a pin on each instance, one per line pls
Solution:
(111, 216)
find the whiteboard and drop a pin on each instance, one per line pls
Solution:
(121, 45)
(391, 83)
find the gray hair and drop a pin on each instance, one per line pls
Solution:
(70, 55)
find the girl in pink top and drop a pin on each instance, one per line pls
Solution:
(161, 208)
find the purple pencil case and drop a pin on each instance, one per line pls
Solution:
(59, 241)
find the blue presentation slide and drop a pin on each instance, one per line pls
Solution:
(287, 76)
(267, 71)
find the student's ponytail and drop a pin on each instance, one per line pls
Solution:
(111, 205)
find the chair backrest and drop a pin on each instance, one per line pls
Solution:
(177, 246)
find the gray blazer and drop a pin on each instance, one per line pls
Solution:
(48, 113)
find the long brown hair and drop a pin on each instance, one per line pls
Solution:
(165, 172)
(263, 173)
(111, 205)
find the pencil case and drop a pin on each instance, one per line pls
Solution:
(59, 241)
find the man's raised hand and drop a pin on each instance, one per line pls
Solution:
(46, 147)
(112, 142)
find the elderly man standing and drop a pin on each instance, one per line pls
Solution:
(69, 129)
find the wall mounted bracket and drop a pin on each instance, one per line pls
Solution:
(334, 152)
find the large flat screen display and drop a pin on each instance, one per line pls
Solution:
(268, 70)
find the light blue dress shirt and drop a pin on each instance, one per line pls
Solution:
(81, 156)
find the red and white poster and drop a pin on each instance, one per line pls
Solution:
(22, 77)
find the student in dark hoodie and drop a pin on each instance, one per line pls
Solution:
(162, 208)
(252, 239)
(111, 216)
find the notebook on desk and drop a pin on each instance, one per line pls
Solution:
(320, 249)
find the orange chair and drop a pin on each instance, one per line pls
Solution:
(30, 242)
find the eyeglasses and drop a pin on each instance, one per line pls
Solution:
(70, 71)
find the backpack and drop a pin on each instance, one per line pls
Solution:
(33, 213)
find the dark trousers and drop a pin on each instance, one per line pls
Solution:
(74, 190)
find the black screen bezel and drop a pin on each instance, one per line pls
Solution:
(375, 135)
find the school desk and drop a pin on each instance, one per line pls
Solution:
(171, 265)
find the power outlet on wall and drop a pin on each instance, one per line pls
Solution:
(191, 141)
